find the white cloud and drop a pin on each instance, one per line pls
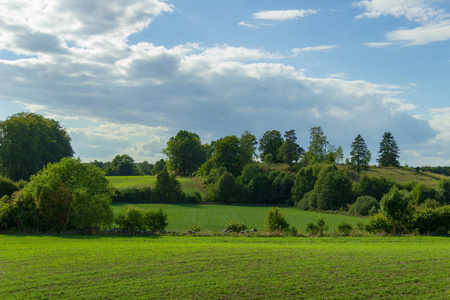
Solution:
(434, 22)
(297, 51)
(283, 15)
(139, 95)
(246, 24)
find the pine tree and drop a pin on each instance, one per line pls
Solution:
(389, 151)
(360, 155)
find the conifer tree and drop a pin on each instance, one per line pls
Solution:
(360, 155)
(389, 151)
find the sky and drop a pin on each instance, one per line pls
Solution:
(125, 76)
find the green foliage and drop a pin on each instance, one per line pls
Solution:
(64, 195)
(345, 228)
(159, 166)
(5, 207)
(333, 189)
(270, 143)
(134, 195)
(389, 151)
(364, 206)
(167, 188)
(247, 143)
(131, 218)
(122, 165)
(312, 229)
(443, 190)
(226, 190)
(422, 192)
(28, 142)
(145, 168)
(318, 147)
(134, 218)
(290, 151)
(372, 186)
(280, 188)
(196, 228)
(304, 182)
(378, 223)
(155, 219)
(308, 202)
(235, 226)
(227, 153)
(360, 155)
(275, 221)
(185, 153)
(7, 186)
(395, 205)
(431, 220)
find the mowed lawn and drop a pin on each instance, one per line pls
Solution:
(212, 218)
(189, 267)
(123, 182)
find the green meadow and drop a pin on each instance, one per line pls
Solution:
(194, 267)
(212, 218)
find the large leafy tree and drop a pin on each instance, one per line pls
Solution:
(389, 151)
(122, 165)
(248, 144)
(269, 145)
(318, 147)
(227, 153)
(185, 153)
(28, 142)
(360, 155)
(290, 151)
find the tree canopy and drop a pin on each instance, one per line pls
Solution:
(269, 145)
(122, 165)
(185, 153)
(360, 155)
(30, 141)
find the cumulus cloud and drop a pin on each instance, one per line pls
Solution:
(434, 23)
(283, 15)
(137, 96)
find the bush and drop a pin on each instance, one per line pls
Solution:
(64, 195)
(422, 192)
(134, 218)
(131, 218)
(235, 226)
(396, 206)
(378, 223)
(345, 228)
(275, 221)
(7, 186)
(364, 205)
(431, 220)
(134, 195)
(312, 229)
(309, 201)
(155, 219)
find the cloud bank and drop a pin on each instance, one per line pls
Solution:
(134, 97)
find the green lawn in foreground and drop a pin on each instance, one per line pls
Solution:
(190, 267)
(183, 217)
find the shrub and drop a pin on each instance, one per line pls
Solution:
(235, 226)
(7, 186)
(422, 192)
(431, 219)
(155, 219)
(345, 228)
(312, 229)
(196, 228)
(131, 217)
(363, 205)
(134, 195)
(395, 205)
(275, 221)
(378, 223)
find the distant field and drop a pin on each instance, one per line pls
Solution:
(95, 267)
(122, 182)
(403, 175)
(183, 217)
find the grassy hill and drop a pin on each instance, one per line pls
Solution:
(212, 218)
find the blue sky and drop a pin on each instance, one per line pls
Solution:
(125, 76)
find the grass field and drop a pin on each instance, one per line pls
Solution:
(183, 217)
(122, 182)
(404, 175)
(189, 267)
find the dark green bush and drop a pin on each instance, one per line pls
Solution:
(378, 223)
(433, 220)
(363, 205)
(155, 219)
(131, 217)
(345, 228)
(275, 221)
(7, 186)
(235, 226)
(134, 195)
(312, 229)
